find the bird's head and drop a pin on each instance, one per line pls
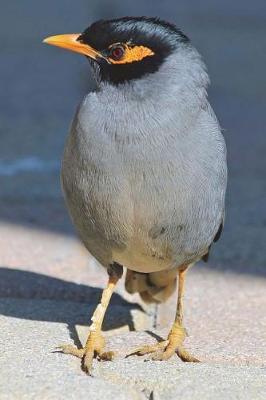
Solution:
(124, 49)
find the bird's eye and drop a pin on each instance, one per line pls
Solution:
(117, 52)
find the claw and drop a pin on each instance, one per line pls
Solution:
(165, 349)
(106, 356)
(69, 349)
(185, 356)
(141, 351)
(163, 355)
(86, 362)
(93, 349)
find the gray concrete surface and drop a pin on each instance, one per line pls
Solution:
(48, 283)
(31, 370)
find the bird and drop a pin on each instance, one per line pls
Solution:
(144, 170)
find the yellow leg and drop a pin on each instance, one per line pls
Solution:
(95, 343)
(177, 334)
(179, 309)
(174, 343)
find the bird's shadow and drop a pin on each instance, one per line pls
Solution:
(56, 300)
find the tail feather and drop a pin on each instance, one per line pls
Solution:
(154, 287)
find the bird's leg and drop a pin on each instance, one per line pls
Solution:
(177, 334)
(174, 343)
(95, 343)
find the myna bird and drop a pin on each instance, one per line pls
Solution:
(144, 168)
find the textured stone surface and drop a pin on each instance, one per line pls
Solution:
(199, 381)
(31, 370)
(224, 316)
(29, 367)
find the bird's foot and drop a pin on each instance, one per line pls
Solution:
(165, 349)
(94, 348)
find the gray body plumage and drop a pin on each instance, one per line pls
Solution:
(144, 168)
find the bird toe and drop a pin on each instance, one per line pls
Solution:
(70, 349)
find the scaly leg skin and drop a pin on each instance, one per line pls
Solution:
(95, 343)
(174, 344)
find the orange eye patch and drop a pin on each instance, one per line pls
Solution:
(130, 54)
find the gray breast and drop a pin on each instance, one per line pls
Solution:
(149, 204)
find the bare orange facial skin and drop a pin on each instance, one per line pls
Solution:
(133, 53)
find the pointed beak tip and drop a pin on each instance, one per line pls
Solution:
(49, 40)
(71, 42)
(62, 40)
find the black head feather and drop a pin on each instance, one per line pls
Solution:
(161, 37)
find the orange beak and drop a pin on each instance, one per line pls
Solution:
(70, 42)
